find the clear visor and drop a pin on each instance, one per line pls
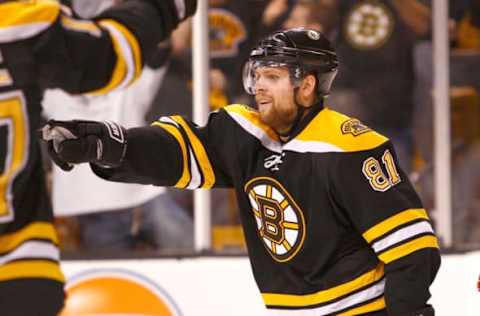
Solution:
(250, 67)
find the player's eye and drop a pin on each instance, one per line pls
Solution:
(272, 76)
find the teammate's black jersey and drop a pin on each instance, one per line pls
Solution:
(373, 39)
(333, 226)
(41, 46)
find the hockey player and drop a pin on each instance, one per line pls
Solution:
(333, 225)
(41, 46)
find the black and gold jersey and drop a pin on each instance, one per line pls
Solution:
(333, 226)
(41, 46)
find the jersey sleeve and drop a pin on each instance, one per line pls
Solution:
(108, 52)
(174, 151)
(382, 205)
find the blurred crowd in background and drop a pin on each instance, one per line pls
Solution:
(385, 79)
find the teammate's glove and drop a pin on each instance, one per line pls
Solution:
(71, 142)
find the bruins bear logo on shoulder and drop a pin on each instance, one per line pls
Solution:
(354, 127)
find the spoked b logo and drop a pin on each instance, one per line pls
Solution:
(280, 222)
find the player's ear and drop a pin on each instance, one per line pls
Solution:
(307, 90)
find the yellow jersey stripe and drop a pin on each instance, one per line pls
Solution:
(81, 25)
(200, 153)
(373, 306)
(370, 277)
(408, 248)
(36, 230)
(31, 269)
(19, 13)
(133, 43)
(24, 19)
(119, 71)
(185, 177)
(393, 222)
(326, 128)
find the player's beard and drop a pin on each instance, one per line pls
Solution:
(278, 118)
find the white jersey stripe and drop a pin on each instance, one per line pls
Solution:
(24, 31)
(257, 132)
(349, 301)
(196, 178)
(126, 51)
(32, 249)
(293, 145)
(401, 235)
(310, 146)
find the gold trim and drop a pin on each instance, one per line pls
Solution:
(81, 25)
(20, 13)
(373, 306)
(120, 70)
(408, 248)
(200, 153)
(324, 296)
(172, 130)
(132, 41)
(31, 269)
(326, 127)
(36, 230)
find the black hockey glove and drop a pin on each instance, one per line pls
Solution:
(72, 142)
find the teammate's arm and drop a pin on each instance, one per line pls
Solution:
(107, 52)
(384, 208)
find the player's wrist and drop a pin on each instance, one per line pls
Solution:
(112, 146)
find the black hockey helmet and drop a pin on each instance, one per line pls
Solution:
(302, 51)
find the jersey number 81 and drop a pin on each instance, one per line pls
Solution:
(372, 169)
